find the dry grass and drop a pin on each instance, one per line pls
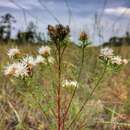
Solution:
(17, 112)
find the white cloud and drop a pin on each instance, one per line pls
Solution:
(23, 3)
(6, 3)
(29, 4)
(118, 11)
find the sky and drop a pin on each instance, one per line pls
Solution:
(101, 19)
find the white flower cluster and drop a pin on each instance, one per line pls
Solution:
(116, 60)
(16, 70)
(24, 67)
(69, 83)
(51, 60)
(13, 52)
(107, 54)
(29, 60)
(44, 51)
(40, 60)
(20, 69)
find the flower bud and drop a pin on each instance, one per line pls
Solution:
(83, 36)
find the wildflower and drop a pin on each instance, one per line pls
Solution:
(13, 52)
(116, 60)
(51, 60)
(83, 36)
(58, 33)
(125, 61)
(39, 59)
(44, 51)
(16, 70)
(21, 70)
(9, 70)
(106, 53)
(29, 61)
(69, 83)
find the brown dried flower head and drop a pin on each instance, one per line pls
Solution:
(58, 33)
(83, 36)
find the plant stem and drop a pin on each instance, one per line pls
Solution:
(74, 92)
(59, 89)
(87, 99)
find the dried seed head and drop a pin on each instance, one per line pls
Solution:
(58, 33)
(83, 36)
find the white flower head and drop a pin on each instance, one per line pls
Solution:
(13, 52)
(116, 60)
(106, 52)
(29, 61)
(125, 61)
(44, 51)
(51, 60)
(40, 60)
(16, 70)
(69, 83)
(21, 70)
(9, 70)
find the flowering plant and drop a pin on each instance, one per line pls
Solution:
(60, 110)
(111, 60)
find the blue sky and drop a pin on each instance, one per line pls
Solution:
(85, 13)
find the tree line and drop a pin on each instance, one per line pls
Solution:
(30, 35)
(118, 41)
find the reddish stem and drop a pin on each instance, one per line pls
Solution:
(59, 89)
